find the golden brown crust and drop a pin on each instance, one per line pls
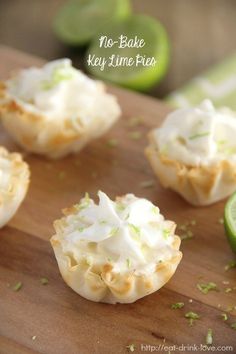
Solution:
(101, 282)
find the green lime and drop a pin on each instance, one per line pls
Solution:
(139, 56)
(230, 221)
(78, 21)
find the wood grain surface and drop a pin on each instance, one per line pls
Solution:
(62, 321)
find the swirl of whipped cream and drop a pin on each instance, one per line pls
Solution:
(130, 233)
(59, 91)
(201, 135)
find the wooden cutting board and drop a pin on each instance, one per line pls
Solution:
(62, 321)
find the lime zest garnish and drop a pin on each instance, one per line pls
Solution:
(127, 216)
(192, 316)
(135, 135)
(228, 290)
(134, 122)
(94, 174)
(224, 316)
(233, 325)
(198, 135)
(44, 281)
(220, 144)
(135, 229)
(89, 261)
(187, 233)
(62, 175)
(84, 203)
(102, 222)
(221, 221)
(183, 227)
(147, 184)
(17, 286)
(231, 264)
(187, 236)
(128, 261)
(205, 288)
(111, 143)
(120, 207)
(166, 233)
(113, 231)
(155, 210)
(164, 150)
(230, 308)
(59, 74)
(131, 347)
(177, 305)
(209, 337)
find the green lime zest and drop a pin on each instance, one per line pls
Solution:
(131, 347)
(166, 233)
(230, 265)
(192, 316)
(59, 75)
(206, 287)
(113, 231)
(233, 325)
(44, 281)
(135, 229)
(177, 305)
(224, 316)
(111, 143)
(198, 135)
(128, 261)
(209, 337)
(17, 286)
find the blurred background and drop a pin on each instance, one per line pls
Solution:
(201, 32)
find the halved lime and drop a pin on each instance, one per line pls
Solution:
(78, 21)
(153, 56)
(230, 221)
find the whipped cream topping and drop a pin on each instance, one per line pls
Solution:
(200, 135)
(59, 91)
(130, 233)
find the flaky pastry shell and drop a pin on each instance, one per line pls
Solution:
(54, 138)
(199, 185)
(12, 197)
(101, 283)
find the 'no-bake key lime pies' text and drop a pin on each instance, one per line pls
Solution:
(117, 60)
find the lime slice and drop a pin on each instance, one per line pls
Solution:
(139, 77)
(230, 221)
(78, 21)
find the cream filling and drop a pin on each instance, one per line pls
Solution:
(130, 234)
(59, 91)
(201, 135)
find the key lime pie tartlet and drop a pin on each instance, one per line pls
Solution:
(194, 153)
(115, 251)
(56, 109)
(14, 181)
